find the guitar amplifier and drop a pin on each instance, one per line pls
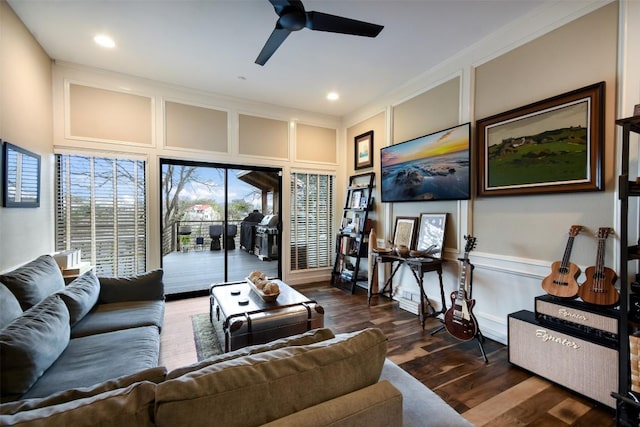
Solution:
(571, 315)
(578, 361)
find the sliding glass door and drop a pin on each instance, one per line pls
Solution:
(219, 223)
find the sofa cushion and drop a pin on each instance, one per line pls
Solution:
(31, 344)
(91, 360)
(154, 375)
(131, 406)
(81, 295)
(34, 281)
(118, 316)
(378, 405)
(147, 286)
(10, 308)
(310, 337)
(266, 386)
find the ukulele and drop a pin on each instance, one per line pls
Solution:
(459, 320)
(562, 280)
(598, 288)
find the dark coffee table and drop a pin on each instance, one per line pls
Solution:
(247, 319)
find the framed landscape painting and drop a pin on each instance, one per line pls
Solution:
(554, 145)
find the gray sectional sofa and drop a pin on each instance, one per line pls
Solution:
(96, 364)
(55, 337)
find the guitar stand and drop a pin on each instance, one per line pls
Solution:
(479, 337)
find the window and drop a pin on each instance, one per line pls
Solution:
(311, 220)
(101, 210)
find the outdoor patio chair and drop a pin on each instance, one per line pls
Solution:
(215, 231)
(230, 241)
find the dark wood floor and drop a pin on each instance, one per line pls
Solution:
(492, 394)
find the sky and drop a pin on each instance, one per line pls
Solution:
(573, 115)
(436, 144)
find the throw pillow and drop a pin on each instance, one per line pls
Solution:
(80, 296)
(34, 281)
(9, 306)
(143, 287)
(31, 343)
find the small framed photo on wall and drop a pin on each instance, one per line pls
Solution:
(363, 145)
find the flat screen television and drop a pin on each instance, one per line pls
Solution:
(432, 167)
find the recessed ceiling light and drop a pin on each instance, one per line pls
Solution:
(333, 96)
(104, 41)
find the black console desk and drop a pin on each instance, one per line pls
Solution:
(418, 266)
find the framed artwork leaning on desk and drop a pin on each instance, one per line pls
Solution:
(431, 234)
(405, 231)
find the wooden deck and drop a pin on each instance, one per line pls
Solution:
(198, 268)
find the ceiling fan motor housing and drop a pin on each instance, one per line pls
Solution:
(292, 19)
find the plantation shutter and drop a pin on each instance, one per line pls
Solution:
(101, 210)
(311, 220)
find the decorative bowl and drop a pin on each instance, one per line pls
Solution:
(258, 291)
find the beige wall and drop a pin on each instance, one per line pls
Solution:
(109, 115)
(316, 144)
(26, 121)
(263, 137)
(534, 226)
(378, 125)
(200, 128)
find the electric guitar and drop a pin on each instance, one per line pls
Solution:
(598, 288)
(562, 280)
(459, 320)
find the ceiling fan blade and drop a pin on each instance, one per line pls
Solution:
(337, 24)
(273, 43)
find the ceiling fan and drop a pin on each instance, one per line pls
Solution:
(293, 17)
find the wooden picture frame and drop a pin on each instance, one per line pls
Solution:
(363, 150)
(20, 177)
(431, 234)
(404, 231)
(554, 145)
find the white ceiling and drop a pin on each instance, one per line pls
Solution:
(211, 45)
